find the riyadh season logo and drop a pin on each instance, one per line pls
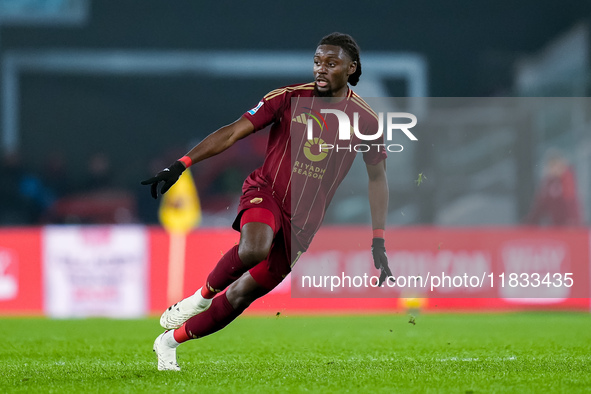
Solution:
(346, 131)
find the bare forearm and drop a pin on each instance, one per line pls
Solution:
(220, 140)
(378, 194)
(213, 144)
(378, 202)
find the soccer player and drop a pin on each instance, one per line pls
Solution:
(556, 202)
(284, 201)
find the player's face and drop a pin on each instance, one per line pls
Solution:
(332, 67)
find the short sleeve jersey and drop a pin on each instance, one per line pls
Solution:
(301, 173)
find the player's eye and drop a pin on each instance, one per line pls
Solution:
(331, 64)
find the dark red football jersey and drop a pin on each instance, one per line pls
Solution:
(557, 202)
(303, 174)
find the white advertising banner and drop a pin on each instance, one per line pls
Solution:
(95, 271)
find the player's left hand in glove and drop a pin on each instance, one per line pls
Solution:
(380, 260)
(169, 176)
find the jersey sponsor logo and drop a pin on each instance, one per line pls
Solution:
(315, 118)
(256, 200)
(255, 109)
(313, 146)
(309, 170)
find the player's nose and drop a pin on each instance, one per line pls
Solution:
(321, 69)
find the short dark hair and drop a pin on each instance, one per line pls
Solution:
(348, 44)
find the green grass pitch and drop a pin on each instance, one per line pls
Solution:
(459, 353)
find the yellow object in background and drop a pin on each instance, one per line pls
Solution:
(412, 304)
(180, 210)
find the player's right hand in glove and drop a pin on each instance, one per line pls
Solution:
(380, 259)
(169, 176)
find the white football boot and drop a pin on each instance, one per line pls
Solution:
(165, 348)
(177, 314)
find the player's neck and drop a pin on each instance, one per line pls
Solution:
(342, 93)
(336, 97)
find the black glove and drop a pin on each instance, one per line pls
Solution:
(380, 260)
(168, 175)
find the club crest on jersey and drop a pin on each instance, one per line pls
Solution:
(255, 109)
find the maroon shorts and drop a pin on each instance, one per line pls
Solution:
(270, 272)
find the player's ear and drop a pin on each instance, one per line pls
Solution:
(352, 68)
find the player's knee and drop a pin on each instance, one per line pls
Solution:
(255, 243)
(251, 254)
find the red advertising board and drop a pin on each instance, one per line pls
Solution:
(21, 290)
(454, 252)
(459, 268)
(429, 250)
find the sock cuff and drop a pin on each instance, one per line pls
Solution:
(170, 340)
(181, 335)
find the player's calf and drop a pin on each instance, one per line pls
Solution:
(244, 292)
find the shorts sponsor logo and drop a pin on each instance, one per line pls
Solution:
(256, 200)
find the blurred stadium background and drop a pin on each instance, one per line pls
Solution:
(98, 95)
